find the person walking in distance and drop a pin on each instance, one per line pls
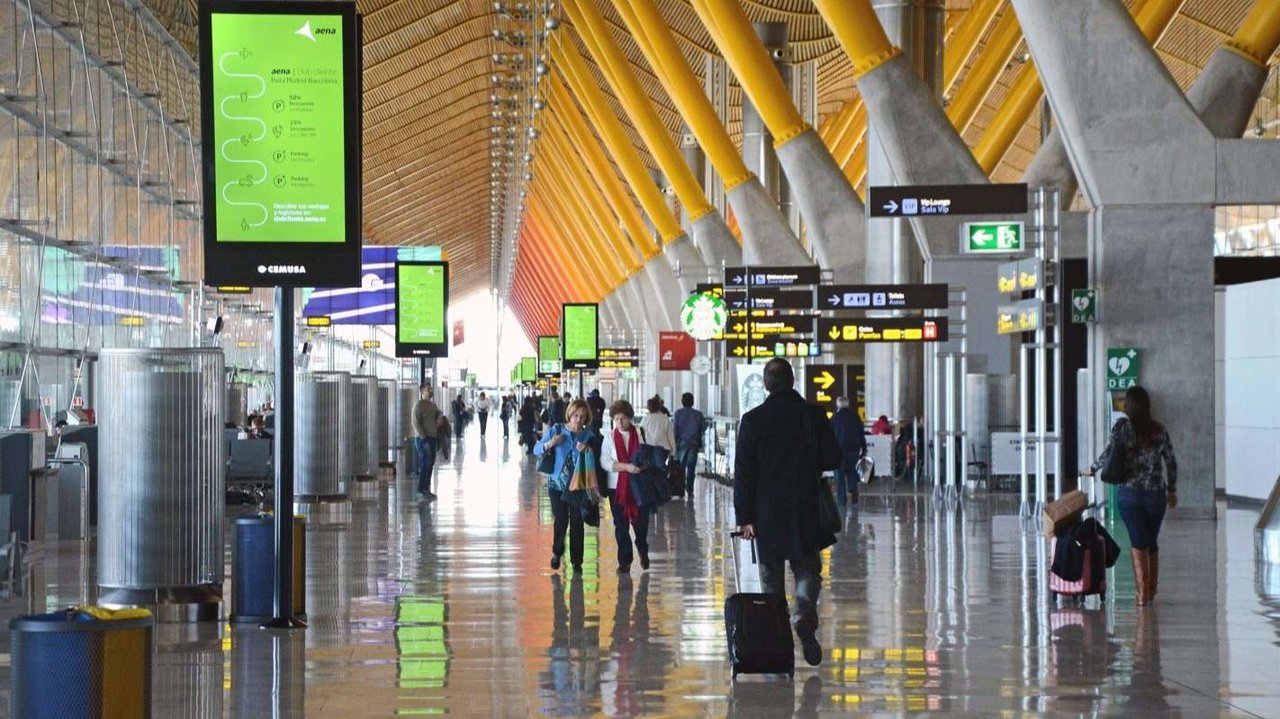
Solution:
(852, 438)
(689, 425)
(1145, 491)
(597, 405)
(504, 414)
(619, 446)
(427, 421)
(783, 447)
(482, 412)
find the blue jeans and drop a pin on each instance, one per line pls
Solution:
(1142, 511)
(847, 479)
(426, 447)
(687, 455)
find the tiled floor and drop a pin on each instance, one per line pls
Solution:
(451, 608)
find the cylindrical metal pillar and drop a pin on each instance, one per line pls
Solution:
(757, 141)
(162, 464)
(895, 371)
(317, 398)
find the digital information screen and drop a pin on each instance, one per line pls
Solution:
(422, 306)
(549, 356)
(528, 369)
(580, 336)
(280, 98)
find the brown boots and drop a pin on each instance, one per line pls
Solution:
(1146, 572)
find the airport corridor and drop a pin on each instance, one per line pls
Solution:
(450, 607)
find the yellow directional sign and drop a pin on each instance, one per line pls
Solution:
(884, 329)
(824, 380)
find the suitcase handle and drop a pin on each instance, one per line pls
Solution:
(738, 535)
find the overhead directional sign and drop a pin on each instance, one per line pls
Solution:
(883, 329)
(996, 238)
(775, 326)
(926, 200)
(823, 383)
(882, 297)
(619, 357)
(1020, 276)
(791, 348)
(1024, 316)
(709, 288)
(775, 276)
(769, 299)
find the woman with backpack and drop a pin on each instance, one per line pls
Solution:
(1145, 491)
(567, 441)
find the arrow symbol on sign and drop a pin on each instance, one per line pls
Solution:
(738, 351)
(824, 380)
(891, 207)
(983, 237)
(737, 280)
(834, 300)
(739, 327)
(834, 333)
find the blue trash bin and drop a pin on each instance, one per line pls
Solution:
(253, 568)
(74, 665)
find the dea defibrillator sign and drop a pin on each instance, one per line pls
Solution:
(703, 316)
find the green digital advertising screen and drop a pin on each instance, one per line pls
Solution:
(548, 356)
(528, 369)
(280, 94)
(422, 309)
(580, 336)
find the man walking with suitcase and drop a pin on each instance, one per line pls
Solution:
(783, 447)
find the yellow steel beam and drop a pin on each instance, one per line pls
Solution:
(566, 112)
(986, 71)
(750, 61)
(859, 32)
(656, 41)
(543, 207)
(1259, 34)
(579, 79)
(578, 177)
(964, 41)
(617, 68)
(1153, 18)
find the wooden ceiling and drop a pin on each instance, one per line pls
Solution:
(427, 65)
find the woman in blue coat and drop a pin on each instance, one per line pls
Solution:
(566, 440)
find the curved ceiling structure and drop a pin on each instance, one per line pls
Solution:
(434, 99)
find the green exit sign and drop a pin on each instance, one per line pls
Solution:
(992, 237)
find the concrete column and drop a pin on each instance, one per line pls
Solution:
(1148, 166)
(757, 141)
(895, 372)
(710, 233)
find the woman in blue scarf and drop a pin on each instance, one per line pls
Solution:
(567, 440)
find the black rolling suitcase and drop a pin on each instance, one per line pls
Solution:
(758, 627)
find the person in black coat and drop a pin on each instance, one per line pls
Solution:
(783, 447)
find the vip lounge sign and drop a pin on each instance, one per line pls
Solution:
(1122, 369)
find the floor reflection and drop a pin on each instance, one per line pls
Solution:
(450, 608)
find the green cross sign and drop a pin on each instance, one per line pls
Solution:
(1122, 369)
(1084, 306)
(992, 237)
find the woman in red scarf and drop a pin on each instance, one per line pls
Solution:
(615, 458)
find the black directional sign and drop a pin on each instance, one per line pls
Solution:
(931, 200)
(709, 288)
(823, 383)
(619, 357)
(775, 276)
(883, 329)
(771, 348)
(766, 298)
(882, 297)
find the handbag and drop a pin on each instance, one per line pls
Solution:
(829, 518)
(547, 462)
(1113, 471)
(581, 489)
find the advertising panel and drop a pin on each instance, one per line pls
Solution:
(675, 351)
(580, 336)
(549, 356)
(280, 101)
(528, 369)
(422, 304)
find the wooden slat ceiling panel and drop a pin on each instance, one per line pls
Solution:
(427, 67)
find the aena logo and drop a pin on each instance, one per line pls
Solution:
(282, 269)
(310, 33)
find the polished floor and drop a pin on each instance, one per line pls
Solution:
(929, 607)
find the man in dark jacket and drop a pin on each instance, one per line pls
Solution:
(783, 447)
(597, 405)
(852, 438)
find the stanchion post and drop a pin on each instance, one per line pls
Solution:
(282, 599)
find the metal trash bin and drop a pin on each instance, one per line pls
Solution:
(81, 664)
(253, 568)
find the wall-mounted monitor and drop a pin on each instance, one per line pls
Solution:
(580, 336)
(280, 130)
(422, 309)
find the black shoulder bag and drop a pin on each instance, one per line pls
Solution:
(1113, 471)
(829, 518)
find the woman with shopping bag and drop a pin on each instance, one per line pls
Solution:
(569, 441)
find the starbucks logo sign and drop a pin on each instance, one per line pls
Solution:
(703, 316)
